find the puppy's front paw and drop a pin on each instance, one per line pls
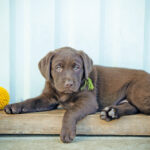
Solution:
(67, 134)
(109, 113)
(13, 108)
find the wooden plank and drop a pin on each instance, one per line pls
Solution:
(50, 122)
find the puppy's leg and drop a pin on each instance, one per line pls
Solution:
(139, 95)
(84, 104)
(114, 112)
(40, 103)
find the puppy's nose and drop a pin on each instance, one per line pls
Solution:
(68, 83)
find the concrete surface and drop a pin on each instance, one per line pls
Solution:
(80, 143)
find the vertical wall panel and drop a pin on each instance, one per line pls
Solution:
(26, 49)
(42, 27)
(112, 33)
(77, 25)
(132, 34)
(18, 53)
(146, 50)
(122, 39)
(4, 44)
(12, 49)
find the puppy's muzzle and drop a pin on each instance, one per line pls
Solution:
(68, 84)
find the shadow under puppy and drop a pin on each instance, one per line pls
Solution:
(83, 89)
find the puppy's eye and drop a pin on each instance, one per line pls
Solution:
(76, 67)
(59, 68)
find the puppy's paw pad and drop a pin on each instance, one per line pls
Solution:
(103, 115)
(67, 135)
(106, 108)
(113, 113)
(12, 109)
(7, 109)
(109, 113)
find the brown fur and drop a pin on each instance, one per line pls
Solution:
(66, 70)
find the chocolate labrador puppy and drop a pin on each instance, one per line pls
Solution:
(83, 89)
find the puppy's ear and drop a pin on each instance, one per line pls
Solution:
(45, 65)
(87, 63)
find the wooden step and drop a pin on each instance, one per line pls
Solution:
(50, 122)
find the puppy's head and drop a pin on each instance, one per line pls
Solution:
(66, 68)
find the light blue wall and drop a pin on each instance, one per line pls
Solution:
(4, 44)
(112, 32)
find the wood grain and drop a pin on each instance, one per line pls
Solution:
(50, 122)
